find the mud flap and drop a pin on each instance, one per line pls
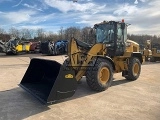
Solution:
(48, 80)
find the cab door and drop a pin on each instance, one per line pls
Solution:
(121, 39)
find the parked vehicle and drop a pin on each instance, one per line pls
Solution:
(47, 47)
(14, 46)
(61, 47)
(54, 48)
(35, 47)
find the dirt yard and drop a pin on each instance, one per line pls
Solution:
(124, 100)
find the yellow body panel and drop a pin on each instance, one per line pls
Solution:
(132, 46)
(27, 47)
(20, 48)
(155, 52)
(147, 52)
(120, 63)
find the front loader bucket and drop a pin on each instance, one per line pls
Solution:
(48, 80)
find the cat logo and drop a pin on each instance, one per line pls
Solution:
(69, 76)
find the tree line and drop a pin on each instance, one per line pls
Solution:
(42, 35)
(82, 34)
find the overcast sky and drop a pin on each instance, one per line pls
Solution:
(51, 15)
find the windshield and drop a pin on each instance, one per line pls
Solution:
(104, 33)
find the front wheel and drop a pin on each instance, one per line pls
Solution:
(134, 69)
(99, 76)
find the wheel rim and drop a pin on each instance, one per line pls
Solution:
(104, 75)
(135, 69)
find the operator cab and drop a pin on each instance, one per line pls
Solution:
(114, 35)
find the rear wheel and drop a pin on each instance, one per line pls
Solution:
(134, 69)
(99, 77)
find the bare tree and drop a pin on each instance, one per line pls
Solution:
(85, 34)
(3, 35)
(52, 36)
(26, 34)
(14, 32)
(61, 33)
(2, 31)
(40, 34)
(72, 32)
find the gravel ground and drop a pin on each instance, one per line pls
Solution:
(124, 100)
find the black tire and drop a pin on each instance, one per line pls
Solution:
(92, 75)
(131, 73)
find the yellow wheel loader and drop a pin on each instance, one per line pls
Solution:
(50, 81)
(155, 55)
(150, 52)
